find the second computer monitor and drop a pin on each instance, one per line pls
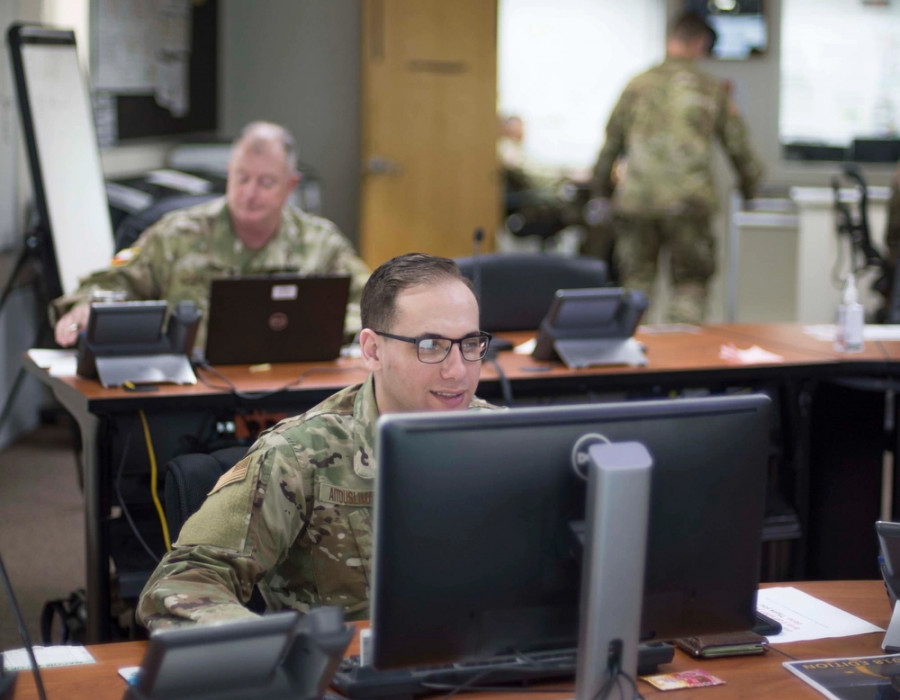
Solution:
(475, 553)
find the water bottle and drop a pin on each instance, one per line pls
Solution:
(850, 319)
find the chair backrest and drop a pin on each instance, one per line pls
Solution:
(516, 289)
(189, 477)
(132, 226)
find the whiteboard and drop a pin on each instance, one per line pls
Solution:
(133, 42)
(63, 152)
(840, 71)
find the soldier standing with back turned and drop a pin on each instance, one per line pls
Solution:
(664, 195)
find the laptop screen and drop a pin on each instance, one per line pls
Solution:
(276, 318)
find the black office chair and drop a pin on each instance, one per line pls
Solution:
(189, 477)
(542, 213)
(516, 289)
(132, 226)
(532, 214)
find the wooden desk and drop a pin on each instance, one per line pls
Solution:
(112, 438)
(764, 677)
(745, 677)
(793, 337)
(679, 358)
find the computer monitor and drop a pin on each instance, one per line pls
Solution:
(474, 550)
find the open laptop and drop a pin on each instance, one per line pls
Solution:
(276, 318)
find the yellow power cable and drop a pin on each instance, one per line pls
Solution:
(153, 475)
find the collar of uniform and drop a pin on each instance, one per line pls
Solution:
(223, 216)
(365, 415)
(287, 228)
(288, 239)
(223, 223)
(679, 62)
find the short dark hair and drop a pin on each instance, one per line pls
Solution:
(378, 305)
(690, 26)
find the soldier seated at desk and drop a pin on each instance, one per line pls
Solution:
(294, 516)
(252, 230)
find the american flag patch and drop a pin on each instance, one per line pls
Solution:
(236, 473)
(125, 256)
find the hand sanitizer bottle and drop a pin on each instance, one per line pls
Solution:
(850, 319)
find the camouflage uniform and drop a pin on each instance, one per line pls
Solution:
(293, 517)
(663, 127)
(176, 258)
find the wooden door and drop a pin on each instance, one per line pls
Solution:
(429, 122)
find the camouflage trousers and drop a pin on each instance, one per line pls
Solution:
(692, 261)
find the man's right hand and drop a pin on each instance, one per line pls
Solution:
(71, 324)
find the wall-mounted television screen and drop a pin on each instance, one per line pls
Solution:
(740, 26)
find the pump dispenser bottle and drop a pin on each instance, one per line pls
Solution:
(850, 319)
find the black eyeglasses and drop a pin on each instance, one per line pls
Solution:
(434, 350)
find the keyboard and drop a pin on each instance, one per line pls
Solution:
(355, 681)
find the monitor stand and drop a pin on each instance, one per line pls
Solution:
(591, 352)
(891, 642)
(615, 544)
(115, 370)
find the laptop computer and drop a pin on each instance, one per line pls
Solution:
(276, 318)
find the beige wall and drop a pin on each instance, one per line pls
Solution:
(298, 63)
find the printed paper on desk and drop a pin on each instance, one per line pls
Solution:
(751, 356)
(803, 616)
(849, 678)
(58, 363)
(47, 657)
(526, 348)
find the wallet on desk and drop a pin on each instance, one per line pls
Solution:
(726, 644)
